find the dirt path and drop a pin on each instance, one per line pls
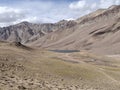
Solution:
(66, 57)
(108, 76)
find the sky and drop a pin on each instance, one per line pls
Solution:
(48, 11)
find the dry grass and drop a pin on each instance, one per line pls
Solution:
(44, 70)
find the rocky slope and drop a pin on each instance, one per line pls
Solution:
(98, 32)
(27, 32)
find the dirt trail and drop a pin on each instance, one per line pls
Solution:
(111, 78)
(66, 57)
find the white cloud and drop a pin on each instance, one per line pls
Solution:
(86, 4)
(94, 5)
(45, 11)
(78, 4)
(117, 2)
(82, 7)
(5, 9)
(107, 3)
(10, 15)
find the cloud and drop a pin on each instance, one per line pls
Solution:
(108, 3)
(10, 15)
(86, 4)
(117, 2)
(94, 5)
(46, 11)
(34, 11)
(82, 7)
(78, 4)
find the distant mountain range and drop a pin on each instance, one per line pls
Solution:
(97, 32)
(27, 32)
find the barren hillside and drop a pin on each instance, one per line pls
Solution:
(37, 69)
(98, 32)
(25, 32)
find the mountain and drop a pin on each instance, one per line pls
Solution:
(97, 32)
(70, 60)
(25, 32)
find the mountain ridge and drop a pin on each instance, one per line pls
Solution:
(24, 32)
(96, 31)
(94, 35)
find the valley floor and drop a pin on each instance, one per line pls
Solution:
(37, 69)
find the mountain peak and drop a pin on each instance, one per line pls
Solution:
(62, 21)
(100, 13)
(114, 6)
(24, 23)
